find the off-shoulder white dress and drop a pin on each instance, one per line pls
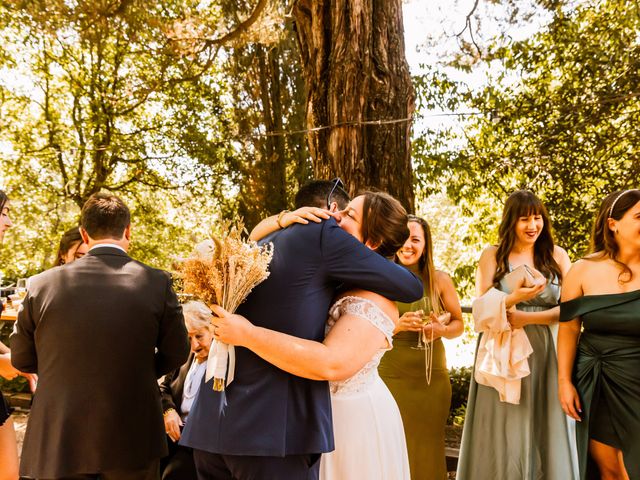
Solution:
(367, 427)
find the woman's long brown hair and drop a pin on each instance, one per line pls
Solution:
(426, 268)
(523, 203)
(603, 240)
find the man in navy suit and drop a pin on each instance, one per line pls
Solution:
(269, 424)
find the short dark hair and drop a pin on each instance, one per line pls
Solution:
(315, 193)
(104, 216)
(384, 223)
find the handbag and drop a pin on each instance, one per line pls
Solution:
(523, 276)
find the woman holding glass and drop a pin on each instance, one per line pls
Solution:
(417, 376)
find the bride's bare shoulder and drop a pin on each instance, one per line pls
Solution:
(387, 306)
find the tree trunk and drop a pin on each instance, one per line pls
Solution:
(355, 71)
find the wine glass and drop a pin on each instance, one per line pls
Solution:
(21, 287)
(422, 307)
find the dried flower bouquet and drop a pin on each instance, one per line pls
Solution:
(223, 272)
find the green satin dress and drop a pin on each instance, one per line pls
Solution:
(607, 376)
(424, 407)
(529, 441)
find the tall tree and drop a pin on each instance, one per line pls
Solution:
(359, 93)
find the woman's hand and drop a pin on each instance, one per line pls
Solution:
(230, 328)
(6, 369)
(303, 215)
(410, 322)
(32, 378)
(435, 328)
(172, 424)
(569, 399)
(517, 319)
(522, 294)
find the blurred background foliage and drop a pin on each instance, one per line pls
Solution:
(142, 100)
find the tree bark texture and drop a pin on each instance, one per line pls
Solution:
(355, 71)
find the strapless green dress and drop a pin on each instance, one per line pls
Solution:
(424, 407)
(607, 376)
(529, 441)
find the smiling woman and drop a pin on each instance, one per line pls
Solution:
(529, 440)
(423, 393)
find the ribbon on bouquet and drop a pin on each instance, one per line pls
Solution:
(221, 365)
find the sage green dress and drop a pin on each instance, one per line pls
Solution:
(529, 441)
(607, 376)
(424, 407)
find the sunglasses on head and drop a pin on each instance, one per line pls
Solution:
(336, 183)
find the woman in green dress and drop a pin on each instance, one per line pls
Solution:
(423, 396)
(599, 343)
(529, 440)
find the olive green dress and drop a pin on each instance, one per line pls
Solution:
(424, 407)
(607, 376)
(529, 441)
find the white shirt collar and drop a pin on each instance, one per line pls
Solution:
(110, 245)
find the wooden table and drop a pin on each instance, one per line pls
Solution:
(9, 315)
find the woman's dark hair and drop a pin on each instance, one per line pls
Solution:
(3, 200)
(384, 223)
(69, 238)
(603, 240)
(523, 203)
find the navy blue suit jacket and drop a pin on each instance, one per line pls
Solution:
(266, 411)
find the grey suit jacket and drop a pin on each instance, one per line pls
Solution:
(98, 332)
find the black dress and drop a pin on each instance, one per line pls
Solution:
(607, 376)
(5, 410)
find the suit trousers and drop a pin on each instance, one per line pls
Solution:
(214, 466)
(150, 472)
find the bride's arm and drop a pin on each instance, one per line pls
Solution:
(285, 219)
(350, 344)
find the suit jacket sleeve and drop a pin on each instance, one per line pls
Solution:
(23, 346)
(166, 392)
(173, 345)
(351, 262)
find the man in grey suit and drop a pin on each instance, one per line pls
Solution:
(98, 332)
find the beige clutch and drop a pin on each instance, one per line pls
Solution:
(523, 276)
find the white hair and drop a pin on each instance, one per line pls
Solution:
(197, 315)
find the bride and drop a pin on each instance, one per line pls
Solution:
(368, 432)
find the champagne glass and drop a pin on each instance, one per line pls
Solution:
(21, 287)
(421, 306)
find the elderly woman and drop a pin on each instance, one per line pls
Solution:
(179, 390)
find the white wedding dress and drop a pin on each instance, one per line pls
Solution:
(367, 427)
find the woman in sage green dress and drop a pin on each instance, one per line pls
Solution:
(529, 440)
(599, 343)
(423, 396)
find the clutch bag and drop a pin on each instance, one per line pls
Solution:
(523, 276)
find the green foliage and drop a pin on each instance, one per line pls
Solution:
(137, 99)
(558, 115)
(460, 381)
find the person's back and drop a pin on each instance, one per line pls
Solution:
(98, 332)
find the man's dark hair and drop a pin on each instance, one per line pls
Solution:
(315, 192)
(104, 216)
